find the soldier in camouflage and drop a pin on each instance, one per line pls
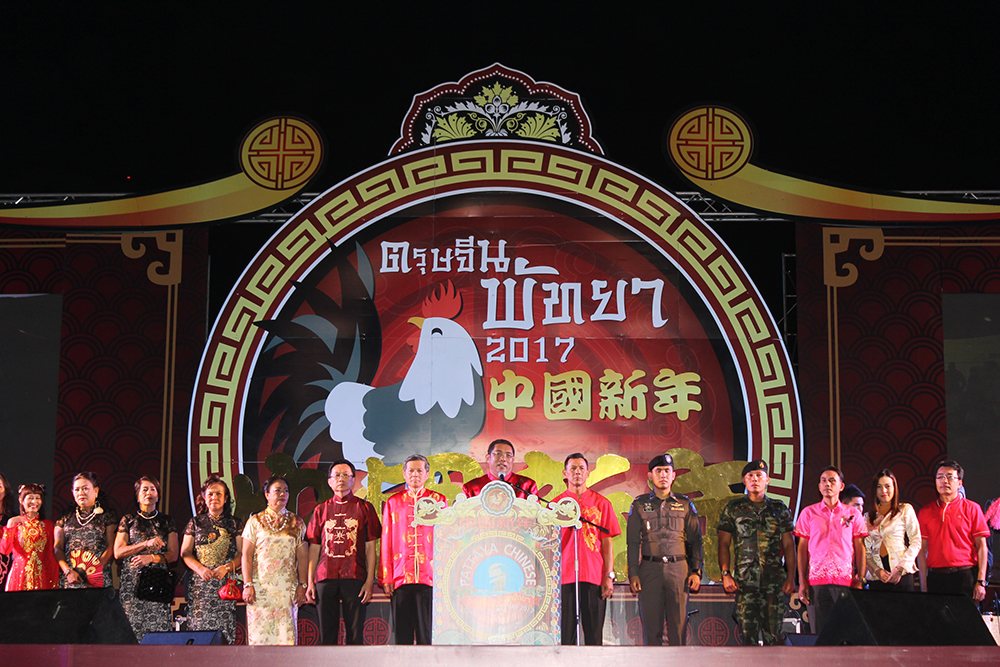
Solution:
(762, 528)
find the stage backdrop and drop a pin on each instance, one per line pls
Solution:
(898, 350)
(128, 311)
(496, 276)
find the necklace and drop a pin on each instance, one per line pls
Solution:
(275, 526)
(148, 516)
(90, 517)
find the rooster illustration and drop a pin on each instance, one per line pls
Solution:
(313, 381)
(438, 407)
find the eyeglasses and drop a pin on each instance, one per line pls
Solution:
(502, 455)
(342, 475)
(948, 478)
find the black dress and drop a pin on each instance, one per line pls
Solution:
(145, 616)
(84, 542)
(214, 544)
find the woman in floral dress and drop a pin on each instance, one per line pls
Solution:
(275, 561)
(211, 548)
(147, 537)
(85, 537)
(29, 537)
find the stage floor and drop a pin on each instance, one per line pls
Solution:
(463, 656)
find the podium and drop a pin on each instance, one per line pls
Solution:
(497, 576)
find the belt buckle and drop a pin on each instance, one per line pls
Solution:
(665, 559)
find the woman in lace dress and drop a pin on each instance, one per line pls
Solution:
(85, 537)
(211, 548)
(275, 560)
(893, 540)
(147, 537)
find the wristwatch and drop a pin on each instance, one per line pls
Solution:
(727, 573)
(984, 583)
(611, 576)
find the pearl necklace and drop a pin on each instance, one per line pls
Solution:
(148, 516)
(270, 523)
(93, 513)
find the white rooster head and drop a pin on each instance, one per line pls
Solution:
(446, 366)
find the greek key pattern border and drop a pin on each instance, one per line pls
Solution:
(584, 178)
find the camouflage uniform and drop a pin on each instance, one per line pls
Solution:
(758, 568)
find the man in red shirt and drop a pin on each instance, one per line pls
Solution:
(500, 465)
(341, 535)
(954, 534)
(406, 573)
(597, 561)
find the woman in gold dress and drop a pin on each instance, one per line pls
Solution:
(275, 561)
(211, 548)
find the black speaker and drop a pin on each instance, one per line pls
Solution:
(202, 638)
(883, 618)
(75, 616)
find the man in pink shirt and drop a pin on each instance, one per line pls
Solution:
(954, 534)
(406, 573)
(831, 551)
(597, 560)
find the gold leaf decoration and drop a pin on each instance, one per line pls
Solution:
(496, 94)
(539, 126)
(713, 483)
(453, 127)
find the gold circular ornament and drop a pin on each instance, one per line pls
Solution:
(281, 153)
(710, 143)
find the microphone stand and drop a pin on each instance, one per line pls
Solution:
(576, 555)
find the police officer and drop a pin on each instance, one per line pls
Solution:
(760, 529)
(664, 553)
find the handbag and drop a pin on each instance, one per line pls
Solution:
(155, 584)
(232, 590)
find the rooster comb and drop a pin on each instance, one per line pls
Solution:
(443, 301)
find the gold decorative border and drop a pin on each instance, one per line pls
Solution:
(586, 179)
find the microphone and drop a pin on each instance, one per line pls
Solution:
(502, 478)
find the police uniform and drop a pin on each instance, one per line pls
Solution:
(664, 546)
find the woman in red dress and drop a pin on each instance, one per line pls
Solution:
(30, 539)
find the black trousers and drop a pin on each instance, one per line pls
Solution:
(905, 585)
(331, 595)
(959, 582)
(663, 598)
(592, 610)
(824, 596)
(412, 611)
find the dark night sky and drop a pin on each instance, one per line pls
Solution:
(137, 97)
